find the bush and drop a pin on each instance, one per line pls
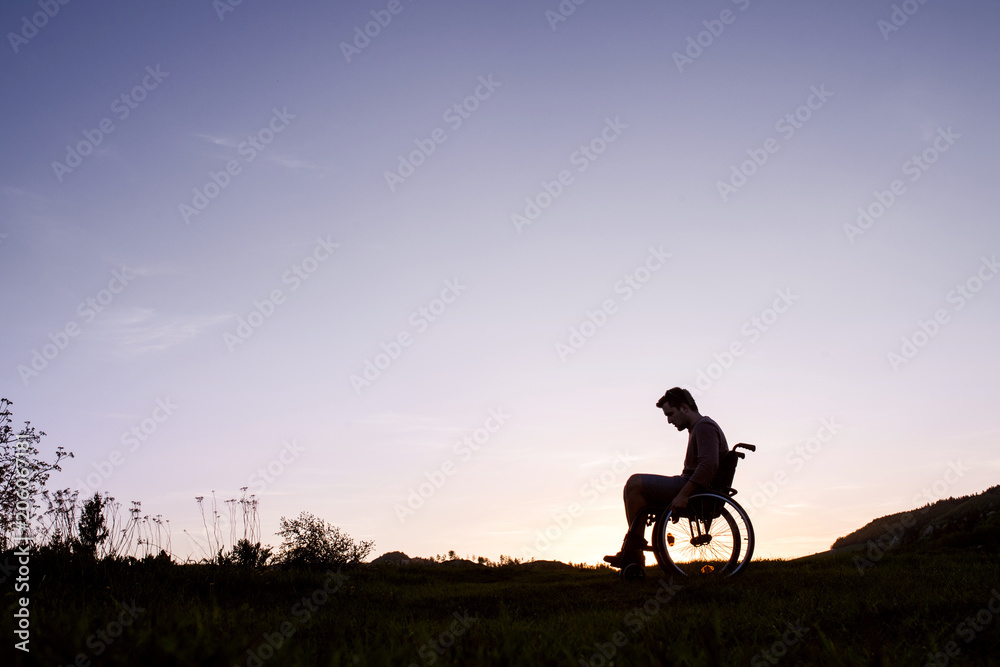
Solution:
(245, 554)
(310, 541)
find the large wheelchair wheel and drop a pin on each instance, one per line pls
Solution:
(711, 537)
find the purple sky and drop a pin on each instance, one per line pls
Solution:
(464, 255)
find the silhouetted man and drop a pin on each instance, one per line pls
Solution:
(707, 446)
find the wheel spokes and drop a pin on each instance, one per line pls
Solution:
(708, 538)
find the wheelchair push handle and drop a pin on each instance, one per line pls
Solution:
(752, 448)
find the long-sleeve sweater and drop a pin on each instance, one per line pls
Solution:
(706, 447)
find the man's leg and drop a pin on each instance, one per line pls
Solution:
(634, 542)
(643, 490)
(634, 500)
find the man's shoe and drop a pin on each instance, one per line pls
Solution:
(630, 553)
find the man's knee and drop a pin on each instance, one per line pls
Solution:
(633, 485)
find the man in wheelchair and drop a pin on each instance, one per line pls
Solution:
(706, 448)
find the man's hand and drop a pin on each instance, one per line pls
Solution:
(679, 502)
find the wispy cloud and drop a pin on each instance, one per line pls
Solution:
(164, 268)
(135, 331)
(218, 141)
(14, 191)
(285, 161)
(293, 163)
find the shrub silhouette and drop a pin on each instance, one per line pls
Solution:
(311, 541)
(245, 554)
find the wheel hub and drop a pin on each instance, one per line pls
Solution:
(700, 540)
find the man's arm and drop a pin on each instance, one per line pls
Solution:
(680, 501)
(707, 446)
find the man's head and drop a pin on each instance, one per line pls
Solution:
(679, 407)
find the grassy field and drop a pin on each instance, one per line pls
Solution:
(820, 611)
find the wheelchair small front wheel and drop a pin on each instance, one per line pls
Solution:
(633, 572)
(711, 537)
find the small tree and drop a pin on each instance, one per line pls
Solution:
(92, 528)
(19, 454)
(309, 540)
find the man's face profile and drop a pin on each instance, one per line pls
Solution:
(676, 416)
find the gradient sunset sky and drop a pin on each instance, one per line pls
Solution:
(433, 263)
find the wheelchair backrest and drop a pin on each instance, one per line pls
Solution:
(723, 481)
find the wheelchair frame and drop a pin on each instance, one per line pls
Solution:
(712, 536)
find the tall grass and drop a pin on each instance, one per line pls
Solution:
(905, 607)
(243, 510)
(137, 535)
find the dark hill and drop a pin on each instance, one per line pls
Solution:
(968, 521)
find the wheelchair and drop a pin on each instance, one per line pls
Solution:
(711, 537)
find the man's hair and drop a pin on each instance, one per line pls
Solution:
(677, 397)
